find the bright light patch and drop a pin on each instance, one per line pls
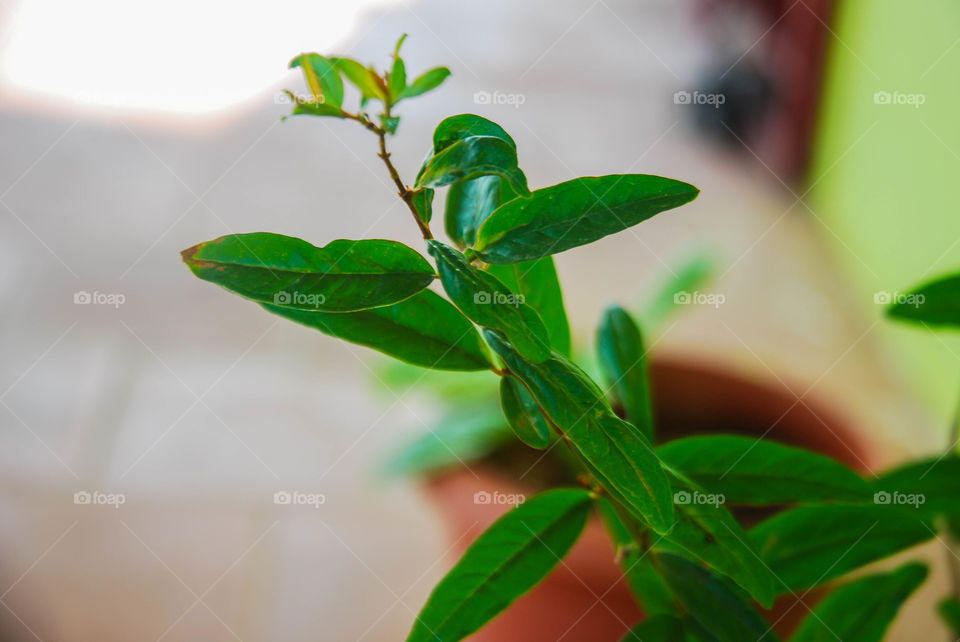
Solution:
(187, 56)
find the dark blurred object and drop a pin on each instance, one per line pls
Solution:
(748, 97)
(771, 57)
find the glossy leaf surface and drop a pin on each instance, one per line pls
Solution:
(624, 362)
(424, 330)
(577, 212)
(537, 282)
(289, 272)
(522, 414)
(756, 472)
(489, 302)
(506, 561)
(617, 453)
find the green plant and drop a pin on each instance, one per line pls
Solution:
(670, 508)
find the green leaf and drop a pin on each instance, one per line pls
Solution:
(949, 610)
(755, 472)
(620, 457)
(648, 589)
(522, 414)
(935, 303)
(811, 545)
(304, 108)
(423, 203)
(489, 303)
(930, 487)
(624, 362)
(362, 78)
(397, 81)
(322, 78)
(660, 628)
(425, 82)
(862, 610)
(281, 270)
(424, 330)
(473, 157)
(706, 531)
(456, 128)
(467, 435)
(577, 212)
(390, 123)
(712, 602)
(506, 561)
(400, 41)
(690, 275)
(469, 203)
(537, 282)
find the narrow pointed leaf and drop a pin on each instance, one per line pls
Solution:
(539, 285)
(301, 108)
(624, 362)
(505, 562)
(289, 272)
(754, 472)
(469, 203)
(423, 202)
(473, 157)
(362, 78)
(424, 330)
(707, 532)
(810, 545)
(522, 414)
(930, 487)
(689, 276)
(715, 605)
(616, 452)
(426, 82)
(397, 81)
(323, 78)
(936, 303)
(489, 303)
(580, 211)
(862, 610)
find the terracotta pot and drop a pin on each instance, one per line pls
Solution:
(584, 598)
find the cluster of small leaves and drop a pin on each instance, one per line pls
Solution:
(696, 572)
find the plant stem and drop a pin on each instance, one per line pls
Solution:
(404, 192)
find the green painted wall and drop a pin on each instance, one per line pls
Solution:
(885, 176)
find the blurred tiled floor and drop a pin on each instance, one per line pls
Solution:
(198, 406)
